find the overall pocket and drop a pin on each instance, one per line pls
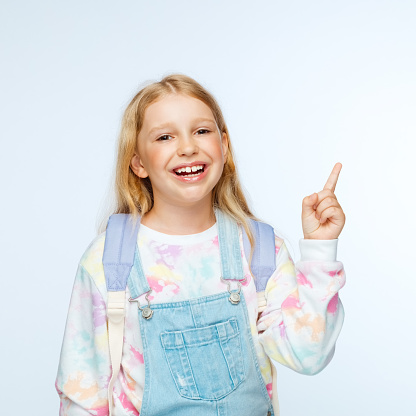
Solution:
(205, 363)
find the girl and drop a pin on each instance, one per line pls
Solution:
(200, 352)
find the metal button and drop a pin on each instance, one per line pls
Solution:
(147, 313)
(234, 298)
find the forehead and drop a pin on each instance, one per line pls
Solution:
(176, 108)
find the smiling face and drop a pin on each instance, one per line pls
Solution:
(181, 150)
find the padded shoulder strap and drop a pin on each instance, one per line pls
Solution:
(119, 248)
(263, 263)
(118, 257)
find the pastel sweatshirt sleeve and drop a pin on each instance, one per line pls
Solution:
(84, 367)
(304, 315)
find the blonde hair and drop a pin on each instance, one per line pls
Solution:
(134, 194)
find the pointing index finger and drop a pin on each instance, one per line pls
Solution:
(333, 177)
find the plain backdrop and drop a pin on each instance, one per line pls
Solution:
(303, 85)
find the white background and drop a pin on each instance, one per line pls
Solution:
(303, 85)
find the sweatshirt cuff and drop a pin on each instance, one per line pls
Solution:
(318, 250)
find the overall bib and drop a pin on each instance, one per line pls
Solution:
(199, 354)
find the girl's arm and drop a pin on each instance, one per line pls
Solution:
(304, 315)
(84, 367)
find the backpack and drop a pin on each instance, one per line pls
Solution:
(118, 257)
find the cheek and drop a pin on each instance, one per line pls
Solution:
(155, 160)
(217, 149)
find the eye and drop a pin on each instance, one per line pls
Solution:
(202, 131)
(165, 137)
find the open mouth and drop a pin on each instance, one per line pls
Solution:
(190, 171)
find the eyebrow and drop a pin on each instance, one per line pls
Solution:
(196, 120)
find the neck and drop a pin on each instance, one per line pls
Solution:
(180, 220)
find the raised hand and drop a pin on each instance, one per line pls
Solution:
(322, 215)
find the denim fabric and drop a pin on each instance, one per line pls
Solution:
(199, 357)
(199, 354)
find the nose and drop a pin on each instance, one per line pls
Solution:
(187, 145)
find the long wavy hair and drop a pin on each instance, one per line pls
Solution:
(134, 195)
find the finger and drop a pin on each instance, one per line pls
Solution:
(332, 214)
(324, 204)
(309, 201)
(325, 193)
(333, 177)
(308, 204)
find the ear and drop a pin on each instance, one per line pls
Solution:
(224, 144)
(137, 167)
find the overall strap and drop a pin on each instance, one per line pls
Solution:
(229, 244)
(118, 257)
(138, 284)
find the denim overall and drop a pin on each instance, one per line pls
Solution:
(199, 354)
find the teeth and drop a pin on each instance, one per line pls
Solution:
(189, 169)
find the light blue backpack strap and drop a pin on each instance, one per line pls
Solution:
(263, 263)
(119, 249)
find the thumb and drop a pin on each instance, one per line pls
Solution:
(308, 204)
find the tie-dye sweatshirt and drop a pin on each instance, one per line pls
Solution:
(298, 328)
